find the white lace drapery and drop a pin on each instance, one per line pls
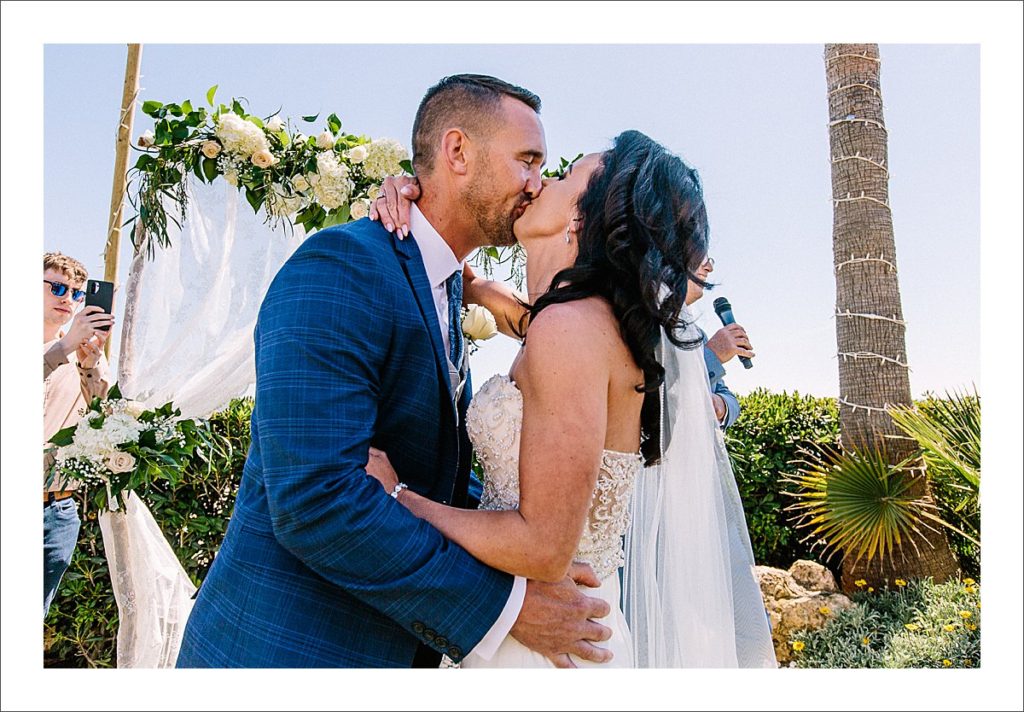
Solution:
(188, 338)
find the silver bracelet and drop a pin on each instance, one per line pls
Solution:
(398, 488)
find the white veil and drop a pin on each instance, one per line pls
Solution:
(690, 594)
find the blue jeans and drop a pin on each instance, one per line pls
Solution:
(60, 536)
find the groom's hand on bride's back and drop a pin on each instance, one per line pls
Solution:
(391, 206)
(555, 619)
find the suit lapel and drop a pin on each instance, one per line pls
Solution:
(412, 263)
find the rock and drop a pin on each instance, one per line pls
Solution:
(795, 605)
(812, 575)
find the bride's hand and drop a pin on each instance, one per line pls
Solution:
(380, 469)
(391, 207)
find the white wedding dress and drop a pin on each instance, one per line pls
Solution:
(690, 596)
(494, 422)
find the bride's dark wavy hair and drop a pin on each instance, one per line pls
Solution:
(644, 235)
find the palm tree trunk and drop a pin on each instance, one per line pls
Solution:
(870, 332)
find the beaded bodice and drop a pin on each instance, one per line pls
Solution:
(494, 421)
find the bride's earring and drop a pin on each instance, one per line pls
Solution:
(567, 233)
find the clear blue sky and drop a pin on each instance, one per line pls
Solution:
(751, 118)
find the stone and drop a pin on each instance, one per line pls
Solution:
(813, 576)
(794, 605)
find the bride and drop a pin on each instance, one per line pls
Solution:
(604, 429)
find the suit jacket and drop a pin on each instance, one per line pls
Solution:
(319, 566)
(716, 371)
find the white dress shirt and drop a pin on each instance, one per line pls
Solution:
(440, 263)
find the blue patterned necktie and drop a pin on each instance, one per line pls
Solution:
(453, 287)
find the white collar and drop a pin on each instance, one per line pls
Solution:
(438, 259)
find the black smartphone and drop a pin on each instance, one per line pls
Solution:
(100, 294)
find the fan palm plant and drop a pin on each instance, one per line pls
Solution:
(856, 503)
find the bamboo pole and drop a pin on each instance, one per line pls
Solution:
(117, 192)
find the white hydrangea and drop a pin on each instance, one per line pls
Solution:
(96, 444)
(280, 203)
(382, 158)
(239, 136)
(331, 183)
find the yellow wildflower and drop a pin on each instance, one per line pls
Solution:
(967, 662)
(798, 646)
(900, 582)
(947, 663)
(871, 589)
(968, 582)
(972, 627)
(825, 611)
(860, 583)
(866, 641)
(949, 628)
(970, 589)
(911, 626)
(965, 614)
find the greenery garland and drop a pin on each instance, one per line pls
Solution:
(312, 181)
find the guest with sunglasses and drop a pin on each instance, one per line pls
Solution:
(74, 372)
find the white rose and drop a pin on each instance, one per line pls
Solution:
(263, 159)
(211, 149)
(120, 462)
(478, 324)
(275, 124)
(356, 154)
(147, 139)
(300, 184)
(325, 140)
(359, 209)
(231, 176)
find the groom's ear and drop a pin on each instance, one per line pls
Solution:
(455, 151)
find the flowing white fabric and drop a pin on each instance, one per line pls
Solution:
(188, 338)
(153, 592)
(191, 310)
(690, 594)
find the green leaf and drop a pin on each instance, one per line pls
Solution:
(210, 93)
(145, 162)
(115, 392)
(255, 120)
(151, 108)
(197, 169)
(334, 123)
(237, 107)
(186, 106)
(254, 199)
(163, 132)
(311, 119)
(210, 168)
(406, 166)
(64, 436)
(174, 109)
(179, 132)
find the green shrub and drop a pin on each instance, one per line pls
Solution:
(917, 625)
(81, 628)
(763, 442)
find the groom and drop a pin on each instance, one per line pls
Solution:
(359, 344)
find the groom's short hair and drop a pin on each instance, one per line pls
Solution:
(466, 101)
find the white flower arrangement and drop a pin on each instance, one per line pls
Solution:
(118, 446)
(314, 181)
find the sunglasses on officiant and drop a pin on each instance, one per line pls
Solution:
(59, 289)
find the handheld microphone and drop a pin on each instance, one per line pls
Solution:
(724, 311)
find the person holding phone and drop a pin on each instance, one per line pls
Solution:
(74, 372)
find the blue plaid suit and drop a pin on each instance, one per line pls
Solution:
(319, 567)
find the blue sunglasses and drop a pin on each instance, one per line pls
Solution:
(59, 289)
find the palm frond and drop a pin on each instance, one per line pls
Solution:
(857, 503)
